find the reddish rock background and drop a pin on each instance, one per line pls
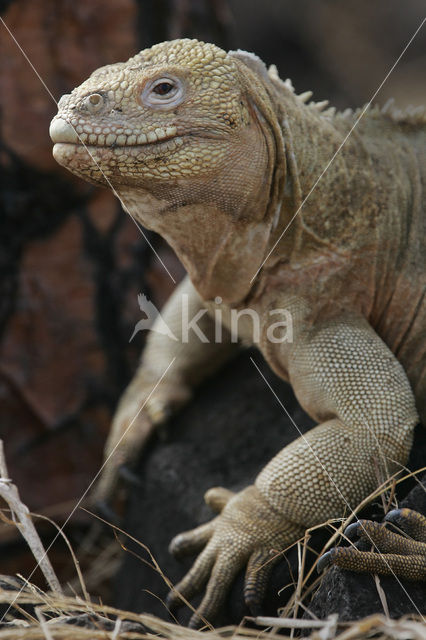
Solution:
(71, 261)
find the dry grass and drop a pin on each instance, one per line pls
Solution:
(54, 617)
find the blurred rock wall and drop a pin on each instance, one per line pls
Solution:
(71, 262)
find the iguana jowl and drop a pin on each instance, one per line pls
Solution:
(216, 154)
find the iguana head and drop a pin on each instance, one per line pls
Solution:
(186, 135)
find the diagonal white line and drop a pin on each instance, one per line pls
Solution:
(330, 162)
(125, 207)
(306, 441)
(78, 503)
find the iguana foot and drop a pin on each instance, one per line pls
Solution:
(143, 407)
(248, 532)
(396, 554)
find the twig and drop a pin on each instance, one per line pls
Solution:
(294, 623)
(42, 621)
(22, 520)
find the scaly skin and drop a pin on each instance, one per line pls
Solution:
(392, 549)
(216, 154)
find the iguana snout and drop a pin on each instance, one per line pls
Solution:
(158, 108)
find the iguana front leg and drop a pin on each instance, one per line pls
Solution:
(344, 375)
(168, 372)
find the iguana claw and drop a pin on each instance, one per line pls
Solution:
(129, 476)
(325, 561)
(351, 531)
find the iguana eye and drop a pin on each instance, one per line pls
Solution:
(164, 92)
(94, 102)
(162, 88)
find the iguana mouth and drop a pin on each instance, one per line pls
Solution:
(64, 132)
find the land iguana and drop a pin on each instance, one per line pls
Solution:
(217, 154)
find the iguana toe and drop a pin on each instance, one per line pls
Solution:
(246, 533)
(193, 581)
(257, 574)
(191, 542)
(394, 554)
(227, 565)
(411, 522)
(217, 498)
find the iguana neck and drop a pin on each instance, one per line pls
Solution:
(311, 139)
